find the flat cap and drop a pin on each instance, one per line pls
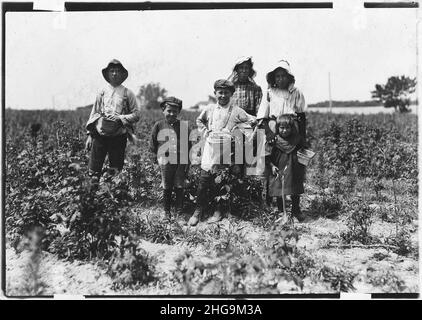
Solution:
(224, 84)
(173, 101)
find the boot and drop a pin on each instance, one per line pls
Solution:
(167, 202)
(179, 200)
(283, 219)
(193, 221)
(216, 217)
(296, 212)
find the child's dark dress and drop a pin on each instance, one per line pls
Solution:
(284, 156)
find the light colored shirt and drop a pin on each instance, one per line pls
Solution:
(281, 102)
(216, 118)
(112, 100)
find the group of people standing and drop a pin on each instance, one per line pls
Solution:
(239, 105)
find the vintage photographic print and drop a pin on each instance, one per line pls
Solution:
(210, 151)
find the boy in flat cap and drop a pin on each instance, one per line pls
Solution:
(111, 121)
(216, 123)
(170, 145)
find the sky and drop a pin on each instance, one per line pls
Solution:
(54, 59)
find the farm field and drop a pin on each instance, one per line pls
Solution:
(66, 235)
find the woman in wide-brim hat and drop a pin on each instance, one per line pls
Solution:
(283, 98)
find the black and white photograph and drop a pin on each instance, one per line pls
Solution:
(210, 150)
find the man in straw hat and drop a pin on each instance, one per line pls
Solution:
(111, 121)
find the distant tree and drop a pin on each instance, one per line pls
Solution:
(151, 94)
(395, 93)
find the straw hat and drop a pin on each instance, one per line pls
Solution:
(115, 62)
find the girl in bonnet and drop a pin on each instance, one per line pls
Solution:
(283, 98)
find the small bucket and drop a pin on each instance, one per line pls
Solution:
(220, 144)
(304, 156)
(217, 138)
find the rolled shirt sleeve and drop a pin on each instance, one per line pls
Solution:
(202, 120)
(95, 113)
(301, 105)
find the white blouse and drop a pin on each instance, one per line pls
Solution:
(280, 102)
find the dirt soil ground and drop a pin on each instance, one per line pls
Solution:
(377, 269)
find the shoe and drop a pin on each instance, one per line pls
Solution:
(194, 219)
(296, 212)
(179, 200)
(283, 219)
(181, 222)
(216, 217)
(299, 215)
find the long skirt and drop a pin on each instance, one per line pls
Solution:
(291, 174)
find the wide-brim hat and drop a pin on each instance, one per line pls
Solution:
(173, 101)
(224, 84)
(284, 64)
(115, 62)
(243, 59)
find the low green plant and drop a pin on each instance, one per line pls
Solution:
(388, 281)
(401, 242)
(340, 280)
(327, 205)
(130, 265)
(359, 220)
(33, 284)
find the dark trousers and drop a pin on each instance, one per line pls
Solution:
(102, 146)
(206, 184)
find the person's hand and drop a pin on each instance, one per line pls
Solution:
(207, 133)
(274, 170)
(88, 143)
(113, 117)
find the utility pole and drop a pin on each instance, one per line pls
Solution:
(329, 93)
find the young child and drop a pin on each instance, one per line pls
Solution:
(111, 121)
(220, 118)
(287, 174)
(170, 146)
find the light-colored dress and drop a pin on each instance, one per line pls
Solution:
(281, 102)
